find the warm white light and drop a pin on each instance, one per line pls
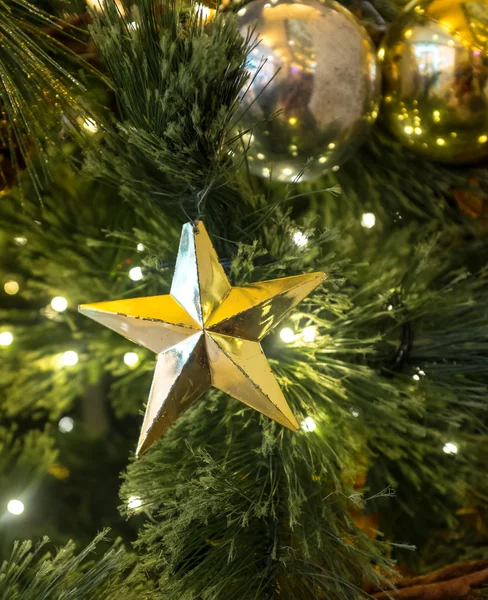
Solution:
(59, 304)
(309, 334)
(131, 358)
(260, 156)
(242, 12)
(11, 288)
(368, 220)
(440, 142)
(140, 247)
(90, 125)
(6, 338)
(381, 53)
(450, 448)
(331, 146)
(135, 273)
(66, 424)
(134, 502)
(322, 160)
(416, 377)
(287, 335)
(355, 413)
(20, 240)
(15, 507)
(308, 424)
(300, 239)
(69, 358)
(287, 171)
(390, 306)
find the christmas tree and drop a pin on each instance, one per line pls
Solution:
(354, 465)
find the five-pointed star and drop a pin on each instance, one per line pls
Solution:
(206, 333)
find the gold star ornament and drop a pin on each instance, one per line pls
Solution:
(206, 334)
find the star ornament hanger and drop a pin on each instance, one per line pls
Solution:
(206, 334)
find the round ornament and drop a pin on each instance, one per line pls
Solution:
(436, 74)
(316, 67)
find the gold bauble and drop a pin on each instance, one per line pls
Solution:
(436, 74)
(317, 67)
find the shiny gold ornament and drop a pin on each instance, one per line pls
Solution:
(206, 333)
(316, 65)
(436, 74)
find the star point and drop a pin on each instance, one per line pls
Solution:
(206, 334)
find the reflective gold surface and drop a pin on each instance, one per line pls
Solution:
(317, 66)
(436, 73)
(206, 334)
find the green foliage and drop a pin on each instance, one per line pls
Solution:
(38, 96)
(30, 574)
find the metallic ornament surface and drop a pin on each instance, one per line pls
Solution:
(316, 66)
(436, 74)
(206, 334)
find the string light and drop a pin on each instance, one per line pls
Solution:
(134, 502)
(135, 273)
(20, 240)
(416, 377)
(450, 448)
(131, 359)
(59, 304)
(309, 334)
(15, 507)
(308, 424)
(69, 358)
(66, 424)
(300, 239)
(90, 125)
(368, 220)
(11, 288)
(140, 247)
(6, 338)
(355, 413)
(287, 335)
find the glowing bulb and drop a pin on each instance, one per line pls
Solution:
(134, 502)
(66, 424)
(309, 334)
(408, 129)
(435, 37)
(242, 12)
(135, 273)
(266, 172)
(450, 448)
(335, 168)
(69, 358)
(292, 120)
(131, 358)
(390, 306)
(6, 338)
(440, 142)
(322, 160)
(331, 146)
(308, 424)
(368, 220)
(20, 240)
(140, 247)
(300, 239)
(287, 171)
(11, 288)
(59, 304)
(287, 335)
(418, 130)
(437, 116)
(260, 156)
(15, 507)
(482, 139)
(381, 53)
(90, 125)
(451, 42)
(355, 413)
(416, 377)
(408, 33)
